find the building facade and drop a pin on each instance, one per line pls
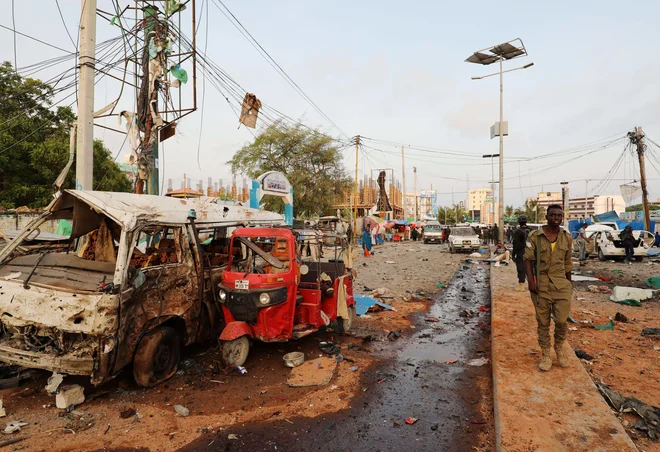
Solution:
(581, 208)
(479, 206)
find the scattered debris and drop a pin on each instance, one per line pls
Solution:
(390, 262)
(600, 289)
(604, 278)
(478, 362)
(654, 282)
(393, 335)
(127, 412)
(475, 255)
(14, 426)
(181, 410)
(54, 382)
(609, 326)
(466, 313)
(69, 396)
(483, 309)
(650, 415)
(316, 372)
(440, 285)
(583, 355)
(620, 317)
(242, 370)
(364, 303)
(651, 332)
(432, 319)
(328, 348)
(232, 436)
(572, 320)
(294, 359)
(624, 294)
(353, 368)
(411, 420)
(583, 278)
(451, 361)
(3, 412)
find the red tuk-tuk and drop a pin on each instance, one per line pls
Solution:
(278, 286)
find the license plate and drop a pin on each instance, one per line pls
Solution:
(242, 284)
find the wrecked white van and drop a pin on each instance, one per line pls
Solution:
(134, 283)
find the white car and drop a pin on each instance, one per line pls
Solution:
(463, 239)
(607, 244)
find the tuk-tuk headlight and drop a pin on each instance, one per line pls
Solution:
(223, 295)
(264, 298)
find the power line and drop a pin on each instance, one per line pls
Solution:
(279, 69)
(30, 37)
(64, 23)
(13, 21)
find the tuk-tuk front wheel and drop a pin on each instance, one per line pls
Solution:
(235, 352)
(157, 357)
(345, 325)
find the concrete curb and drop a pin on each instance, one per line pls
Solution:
(496, 404)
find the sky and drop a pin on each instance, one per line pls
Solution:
(395, 73)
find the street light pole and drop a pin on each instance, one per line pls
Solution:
(505, 51)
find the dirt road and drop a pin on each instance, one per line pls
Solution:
(361, 409)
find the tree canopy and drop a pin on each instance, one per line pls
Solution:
(34, 144)
(308, 158)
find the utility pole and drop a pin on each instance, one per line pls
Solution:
(355, 194)
(150, 143)
(586, 198)
(415, 188)
(85, 141)
(637, 137)
(403, 172)
(564, 201)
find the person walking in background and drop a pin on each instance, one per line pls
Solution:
(582, 241)
(366, 241)
(548, 267)
(519, 244)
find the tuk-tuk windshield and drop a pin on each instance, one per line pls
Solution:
(260, 255)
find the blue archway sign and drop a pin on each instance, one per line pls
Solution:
(273, 183)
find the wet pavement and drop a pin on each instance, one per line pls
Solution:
(428, 380)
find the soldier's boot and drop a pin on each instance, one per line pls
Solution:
(546, 360)
(562, 355)
(521, 287)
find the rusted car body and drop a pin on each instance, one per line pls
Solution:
(134, 283)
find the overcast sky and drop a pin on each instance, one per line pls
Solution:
(395, 72)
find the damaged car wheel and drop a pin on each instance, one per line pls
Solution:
(344, 325)
(157, 357)
(235, 352)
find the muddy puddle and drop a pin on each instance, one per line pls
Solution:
(426, 398)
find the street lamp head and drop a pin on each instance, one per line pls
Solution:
(528, 65)
(476, 78)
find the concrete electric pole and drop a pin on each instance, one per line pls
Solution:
(415, 188)
(85, 140)
(637, 138)
(355, 194)
(403, 173)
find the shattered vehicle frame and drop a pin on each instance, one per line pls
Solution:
(133, 284)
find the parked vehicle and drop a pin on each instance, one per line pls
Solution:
(432, 232)
(282, 284)
(607, 244)
(135, 282)
(463, 238)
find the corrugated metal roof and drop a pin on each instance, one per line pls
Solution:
(129, 209)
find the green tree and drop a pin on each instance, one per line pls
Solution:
(308, 158)
(639, 207)
(34, 144)
(447, 215)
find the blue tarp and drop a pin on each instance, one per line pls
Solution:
(612, 217)
(401, 222)
(364, 302)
